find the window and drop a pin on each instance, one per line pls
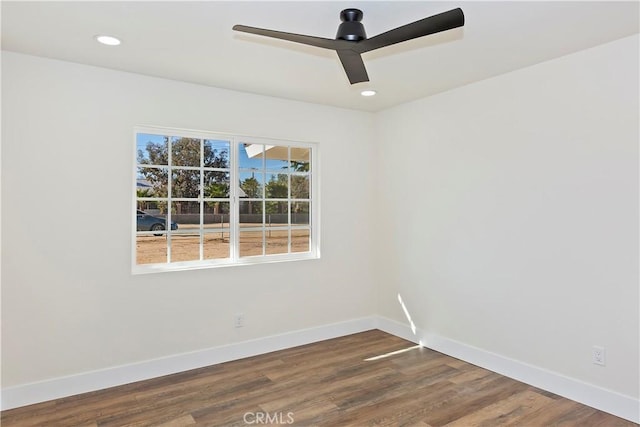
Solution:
(205, 200)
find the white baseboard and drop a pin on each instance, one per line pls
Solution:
(605, 400)
(42, 391)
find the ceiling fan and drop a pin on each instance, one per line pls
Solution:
(351, 40)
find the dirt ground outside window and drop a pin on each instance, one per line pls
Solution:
(185, 243)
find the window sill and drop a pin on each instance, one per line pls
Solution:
(200, 265)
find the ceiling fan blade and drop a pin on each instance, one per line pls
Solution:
(431, 25)
(297, 38)
(353, 66)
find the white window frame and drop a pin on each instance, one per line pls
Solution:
(234, 259)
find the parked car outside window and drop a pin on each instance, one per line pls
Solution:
(148, 222)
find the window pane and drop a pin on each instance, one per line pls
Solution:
(152, 207)
(251, 184)
(217, 245)
(185, 246)
(185, 215)
(217, 228)
(299, 186)
(300, 158)
(216, 184)
(216, 154)
(277, 157)
(152, 182)
(151, 249)
(216, 215)
(185, 183)
(250, 212)
(277, 242)
(148, 221)
(185, 152)
(250, 243)
(250, 156)
(300, 240)
(300, 213)
(151, 149)
(277, 186)
(276, 213)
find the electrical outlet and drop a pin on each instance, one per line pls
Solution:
(598, 355)
(238, 320)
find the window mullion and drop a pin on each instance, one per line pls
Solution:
(201, 194)
(289, 181)
(264, 200)
(169, 195)
(234, 211)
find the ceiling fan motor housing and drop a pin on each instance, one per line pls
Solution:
(351, 28)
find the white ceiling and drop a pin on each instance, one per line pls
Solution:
(194, 42)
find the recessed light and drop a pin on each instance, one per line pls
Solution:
(368, 92)
(108, 40)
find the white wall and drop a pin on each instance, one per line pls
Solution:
(69, 302)
(512, 210)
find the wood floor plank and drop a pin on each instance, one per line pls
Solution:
(562, 412)
(366, 379)
(599, 419)
(185, 420)
(470, 399)
(468, 373)
(504, 412)
(390, 409)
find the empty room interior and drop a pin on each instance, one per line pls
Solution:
(320, 213)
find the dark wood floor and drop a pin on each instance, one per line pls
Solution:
(366, 379)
